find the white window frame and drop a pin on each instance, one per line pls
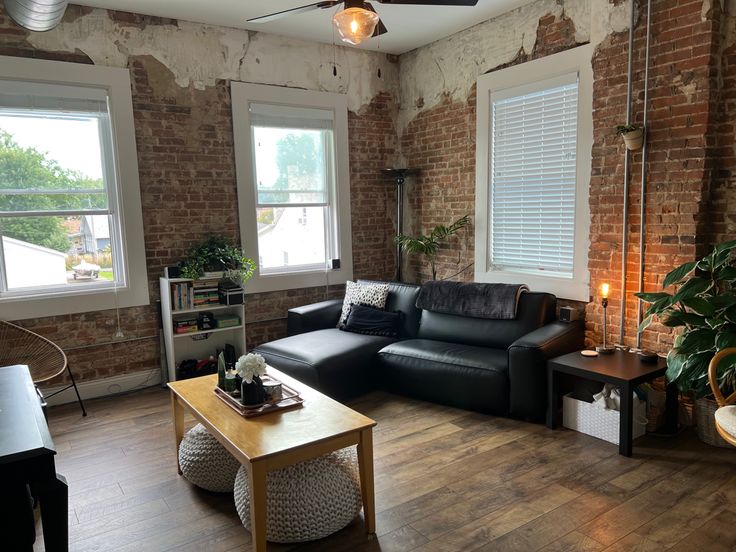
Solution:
(121, 173)
(243, 94)
(576, 60)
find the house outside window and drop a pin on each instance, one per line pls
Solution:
(293, 188)
(533, 159)
(70, 215)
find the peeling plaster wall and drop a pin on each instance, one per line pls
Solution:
(448, 68)
(199, 55)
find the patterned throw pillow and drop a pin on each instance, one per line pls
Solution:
(373, 295)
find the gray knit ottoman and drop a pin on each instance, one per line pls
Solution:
(306, 501)
(205, 462)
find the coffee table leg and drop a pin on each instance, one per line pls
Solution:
(625, 432)
(257, 485)
(551, 399)
(177, 414)
(365, 461)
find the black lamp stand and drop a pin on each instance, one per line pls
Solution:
(399, 177)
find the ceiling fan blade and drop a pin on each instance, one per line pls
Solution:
(432, 2)
(301, 9)
(380, 28)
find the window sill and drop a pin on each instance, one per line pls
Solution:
(261, 283)
(24, 306)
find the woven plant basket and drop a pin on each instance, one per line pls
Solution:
(705, 410)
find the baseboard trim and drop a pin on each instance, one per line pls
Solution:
(104, 387)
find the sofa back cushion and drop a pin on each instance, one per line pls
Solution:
(534, 311)
(403, 297)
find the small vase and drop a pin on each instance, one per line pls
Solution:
(252, 393)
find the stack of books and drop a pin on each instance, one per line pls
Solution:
(181, 296)
(204, 294)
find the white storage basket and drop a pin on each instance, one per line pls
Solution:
(597, 422)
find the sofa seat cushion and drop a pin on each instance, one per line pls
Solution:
(335, 362)
(466, 376)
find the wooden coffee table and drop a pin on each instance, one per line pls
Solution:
(278, 439)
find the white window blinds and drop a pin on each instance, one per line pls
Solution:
(533, 176)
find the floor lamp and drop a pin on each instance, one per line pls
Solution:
(399, 177)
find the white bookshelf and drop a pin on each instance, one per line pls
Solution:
(201, 344)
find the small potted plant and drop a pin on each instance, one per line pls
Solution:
(704, 305)
(429, 245)
(217, 257)
(633, 136)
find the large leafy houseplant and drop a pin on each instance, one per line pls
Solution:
(704, 305)
(217, 254)
(429, 245)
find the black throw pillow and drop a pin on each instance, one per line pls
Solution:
(364, 319)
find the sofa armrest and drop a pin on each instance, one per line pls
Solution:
(317, 316)
(528, 357)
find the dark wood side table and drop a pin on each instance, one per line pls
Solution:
(622, 369)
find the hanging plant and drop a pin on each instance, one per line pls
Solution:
(633, 136)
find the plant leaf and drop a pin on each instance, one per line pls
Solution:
(678, 274)
(675, 363)
(727, 273)
(724, 340)
(725, 246)
(645, 324)
(699, 305)
(723, 300)
(691, 288)
(679, 318)
(698, 341)
(652, 297)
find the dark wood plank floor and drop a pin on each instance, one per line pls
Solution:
(446, 480)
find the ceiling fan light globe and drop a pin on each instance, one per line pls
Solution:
(355, 24)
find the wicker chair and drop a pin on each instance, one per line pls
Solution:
(726, 413)
(45, 360)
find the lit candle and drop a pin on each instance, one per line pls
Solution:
(604, 291)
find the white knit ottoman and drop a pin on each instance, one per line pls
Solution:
(306, 501)
(205, 462)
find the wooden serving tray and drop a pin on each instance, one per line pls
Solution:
(291, 399)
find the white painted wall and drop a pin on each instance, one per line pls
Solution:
(29, 265)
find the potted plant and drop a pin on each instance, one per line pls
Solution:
(429, 245)
(633, 136)
(217, 256)
(704, 305)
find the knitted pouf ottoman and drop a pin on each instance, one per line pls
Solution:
(206, 463)
(306, 501)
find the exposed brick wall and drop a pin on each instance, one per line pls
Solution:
(441, 143)
(683, 95)
(373, 146)
(188, 191)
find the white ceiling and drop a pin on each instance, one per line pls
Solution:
(409, 27)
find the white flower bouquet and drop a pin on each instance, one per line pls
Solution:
(250, 365)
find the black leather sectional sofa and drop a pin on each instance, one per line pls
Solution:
(492, 366)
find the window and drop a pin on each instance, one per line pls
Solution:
(64, 244)
(293, 189)
(534, 140)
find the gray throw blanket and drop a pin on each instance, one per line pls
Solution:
(495, 301)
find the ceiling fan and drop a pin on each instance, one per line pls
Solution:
(358, 20)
